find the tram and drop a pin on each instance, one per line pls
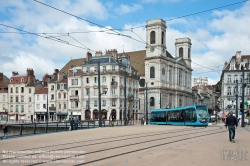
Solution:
(194, 115)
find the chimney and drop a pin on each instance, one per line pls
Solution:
(89, 56)
(31, 77)
(98, 53)
(1, 79)
(14, 73)
(238, 56)
(112, 52)
(56, 71)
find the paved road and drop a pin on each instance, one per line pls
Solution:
(131, 146)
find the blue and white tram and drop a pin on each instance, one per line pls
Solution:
(195, 115)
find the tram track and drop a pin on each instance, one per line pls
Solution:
(92, 140)
(98, 143)
(207, 132)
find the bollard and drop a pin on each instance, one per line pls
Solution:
(35, 129)
(57, 126)
(21, 129)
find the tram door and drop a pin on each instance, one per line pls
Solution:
(190, 116)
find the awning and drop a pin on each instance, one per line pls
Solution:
(62, 113)
(40, 113)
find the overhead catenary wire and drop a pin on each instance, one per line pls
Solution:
(191, 14)
(47, 37)
(112, 29)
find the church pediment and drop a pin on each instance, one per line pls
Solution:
(181, 61)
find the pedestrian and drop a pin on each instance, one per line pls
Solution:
(103, 120)
(110, 120)
(142, 121)
(71, 124)
(5, 131)
(76, 123)
(231, 123)
(113, 120)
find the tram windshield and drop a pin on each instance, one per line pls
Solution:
(158, 117)
(202, 112)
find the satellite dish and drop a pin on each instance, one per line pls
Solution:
(142, 82)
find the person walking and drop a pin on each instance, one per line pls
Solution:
(71, 124)
(232, 124)
(142, 121)
(5, 131)
(110, 120)
(76, 123)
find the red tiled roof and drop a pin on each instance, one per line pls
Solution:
(64, 80)
(42, 91)
(17, 79)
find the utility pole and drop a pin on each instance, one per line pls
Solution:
(243, 95)
(99, 95)
(236, 95)
(146, 104)
(125, 99)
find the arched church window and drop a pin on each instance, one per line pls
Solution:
(152, 101)
(162, 37)
(189, 56)
(152, 37)
(180, 52)
(152, 72)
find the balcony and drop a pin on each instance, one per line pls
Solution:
(75, 97)
(52, 108)
(130, 97)
(114, 96)
(114, 83)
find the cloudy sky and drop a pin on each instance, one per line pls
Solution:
(33, 35)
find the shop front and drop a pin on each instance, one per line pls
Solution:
(52, 116)
(40, 116)
(61, 115)
(3, 116)
(75, 113)
(12, 117)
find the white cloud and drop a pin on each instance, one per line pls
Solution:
(21, 61)
(212, 44)
(125, 9)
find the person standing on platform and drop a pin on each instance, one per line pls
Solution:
(231, 123)
(76, 123)
(71, 124)
(142, 121)
(5, 131)
(110, 120)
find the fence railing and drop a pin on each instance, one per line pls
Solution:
(16, 129)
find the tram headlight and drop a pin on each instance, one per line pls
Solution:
(203, 120)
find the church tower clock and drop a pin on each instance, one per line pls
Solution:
(156, 38)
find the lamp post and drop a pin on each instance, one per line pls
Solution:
(236, 95)
(243, 93)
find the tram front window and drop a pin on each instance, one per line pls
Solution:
(202, 113)
(158, 117)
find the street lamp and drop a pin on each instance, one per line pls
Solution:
(236, 95)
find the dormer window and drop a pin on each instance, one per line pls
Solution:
(74, 72)
(21, 79)
(87, 70)
(232, 67)
(244, 60)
